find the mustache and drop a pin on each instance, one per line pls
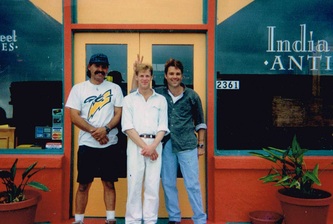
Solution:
(99, 72)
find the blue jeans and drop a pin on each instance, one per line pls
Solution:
(189, 166)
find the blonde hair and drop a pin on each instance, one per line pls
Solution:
(143, 67)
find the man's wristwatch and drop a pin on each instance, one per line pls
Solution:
(200, 145)
(107, 129)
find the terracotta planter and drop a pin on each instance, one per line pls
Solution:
(265, 217)
(20, 212)
(305, 211)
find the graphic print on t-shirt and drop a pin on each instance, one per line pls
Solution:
(97, 103)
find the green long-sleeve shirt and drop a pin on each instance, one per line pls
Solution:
(185, 117)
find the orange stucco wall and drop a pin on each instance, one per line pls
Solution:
(237, 190)
(53, 202)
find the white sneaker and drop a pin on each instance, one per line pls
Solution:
(110, 221)
(77, 222)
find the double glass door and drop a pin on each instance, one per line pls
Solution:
(122, 50)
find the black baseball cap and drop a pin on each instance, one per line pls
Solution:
(99, 59)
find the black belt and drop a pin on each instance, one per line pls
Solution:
(147, 136)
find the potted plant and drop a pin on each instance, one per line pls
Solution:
(296, 181)
(265, 217)
(17, 204)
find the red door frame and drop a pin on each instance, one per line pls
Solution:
(71, 28)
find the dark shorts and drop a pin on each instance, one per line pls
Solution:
(97, 162)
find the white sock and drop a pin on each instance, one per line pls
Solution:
(110, 215)
(79, 217)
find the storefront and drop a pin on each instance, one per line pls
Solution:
(262, 69)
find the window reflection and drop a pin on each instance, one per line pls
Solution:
(31, 70)
(183, 53)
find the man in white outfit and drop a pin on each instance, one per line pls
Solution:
(145, 122)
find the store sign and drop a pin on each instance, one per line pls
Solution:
(305, 44)
(8, 41)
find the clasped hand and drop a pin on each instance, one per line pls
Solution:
(149, 151)
(99, 134)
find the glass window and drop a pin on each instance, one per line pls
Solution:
(274, 75)
(183, 53)
(31, 72)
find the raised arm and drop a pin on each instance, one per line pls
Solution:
(138, 61)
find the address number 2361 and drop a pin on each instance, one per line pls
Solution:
(227, 84)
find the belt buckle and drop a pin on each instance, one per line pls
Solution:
(147, 136)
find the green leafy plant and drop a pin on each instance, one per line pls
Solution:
(14, 192)
(290, 171)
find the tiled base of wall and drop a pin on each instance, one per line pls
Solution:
(122, 221)
(238, 223)
(119, 221)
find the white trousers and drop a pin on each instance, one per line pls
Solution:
(142, 172)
